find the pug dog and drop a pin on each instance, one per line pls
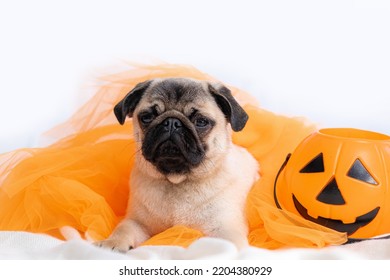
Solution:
(187, 171)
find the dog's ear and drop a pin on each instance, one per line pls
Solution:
(127, 105)
(233, 112)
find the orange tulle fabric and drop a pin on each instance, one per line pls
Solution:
(81, 180)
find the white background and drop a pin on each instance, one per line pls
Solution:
(325, 60)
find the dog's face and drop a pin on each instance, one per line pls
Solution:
(181, 125)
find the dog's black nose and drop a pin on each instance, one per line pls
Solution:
(172, 124)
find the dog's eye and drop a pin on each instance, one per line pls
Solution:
(146, 118)
(201, 122)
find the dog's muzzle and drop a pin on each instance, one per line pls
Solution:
(172, 147)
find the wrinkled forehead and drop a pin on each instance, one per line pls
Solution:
(177, 93)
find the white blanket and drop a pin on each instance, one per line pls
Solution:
(23, 245)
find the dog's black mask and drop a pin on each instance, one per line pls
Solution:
(172, 146)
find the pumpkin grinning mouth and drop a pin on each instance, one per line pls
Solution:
(338, 225)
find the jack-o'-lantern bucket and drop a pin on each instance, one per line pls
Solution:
(339, 178)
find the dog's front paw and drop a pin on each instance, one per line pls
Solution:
(118, 245)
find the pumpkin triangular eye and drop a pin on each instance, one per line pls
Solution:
(359, 172)
(331, 194)
(315, 165)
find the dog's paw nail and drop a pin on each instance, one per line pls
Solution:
(114, 245)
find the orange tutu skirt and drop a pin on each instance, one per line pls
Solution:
(82, 180)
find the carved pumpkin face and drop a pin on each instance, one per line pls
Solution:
(339, 178)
